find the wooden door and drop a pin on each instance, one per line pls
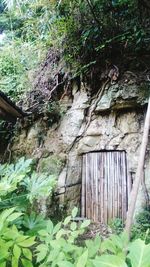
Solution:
(105, 186)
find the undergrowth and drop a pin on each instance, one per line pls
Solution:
(27, 238)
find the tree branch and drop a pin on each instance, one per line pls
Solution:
(93, 13)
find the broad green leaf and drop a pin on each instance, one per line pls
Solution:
(3, 264)
(85, 224)
(11, 233)
(67, 220)
(4, 215)
(117, 241)
(16, 251)
(71, 239)
(75, 234)
(108, 245)
(4, 254)
(64, 264)
(60, 233)
(27, 243)
(43, 249)
(43, 233)
(57, 228)
(109, 261)
(139, 254)
(74, 212)
(93, 246)
(27, 253)
(53, 255)
(57, 244)
(14, 216)
(26, 263)
(14, 262)
(73, 226)
(82, 259)
(50, 227)
(21, 238)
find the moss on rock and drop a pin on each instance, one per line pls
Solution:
(52, 165)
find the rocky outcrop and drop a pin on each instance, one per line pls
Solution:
(116, 124)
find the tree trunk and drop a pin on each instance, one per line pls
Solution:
(139, 173)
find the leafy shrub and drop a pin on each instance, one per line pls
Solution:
(117, 225)
(14, 245)
(39, 185)
(33, 223)
(57, 245)
(12, 174)
(142, 226)
(20, 186)
(83, 30)
(16, 65)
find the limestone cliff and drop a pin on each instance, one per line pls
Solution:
(116, 124)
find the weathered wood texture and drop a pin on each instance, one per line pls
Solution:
(8, 110)
(105, 186)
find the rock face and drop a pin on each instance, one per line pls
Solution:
(116, 124)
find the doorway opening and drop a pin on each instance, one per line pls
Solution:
(105, 186)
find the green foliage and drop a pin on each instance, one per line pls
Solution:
(16, 65)
(117, 225)
(56, 245)
(14, 245)
(85, 32)
(92, 29)
(20, 186)
(39, 185)
(55, 112)
(142, 226)
(142, 250)
(59, 248)
(33, 223)
(11, 175)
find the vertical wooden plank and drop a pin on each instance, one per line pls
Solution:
(123, 186)
(124, 195)
(105, 187)
(100, 166)
(96, 185)
(121, 179)
(120, 186)
(83, 197)
(111, 185)
(107, 184)
(125, 199)
(129, 182)
(95, 195)
(102, 188)
(88, 195)
(116, 185)
(92, 187)
(116, 177)
(109, 195)
(118, 182)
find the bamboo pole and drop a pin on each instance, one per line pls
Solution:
(139, 173)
